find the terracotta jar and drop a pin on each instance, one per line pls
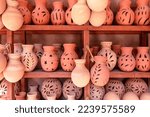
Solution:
(2, 6)
(14, 14)
(49, 59)
(70, 88)
(83, 16)
(34, 88)
(3, 60)
(143, 59)
(18, 48)
(68, 57)
(1, 23)
(68, 12)
(23, 8)
(15, 69)
(142, 12)
(20, 96)
(32, 96)
(29, 58)
(126, 61)
(99, 71)
(109, 54)
(58, 14)
(109, 14)
(125, 15)
(38, 49)
(40, 15)
(80, 74)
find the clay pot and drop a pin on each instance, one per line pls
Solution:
(69, 88)
(83, 16)
(111, 96)
(97, 18)
(130, 96)
(143, 59)
(14, 14)
(20, 96)
(126, 61)
(34, 88)
(29, 58)
(71, 96)
(23, 8)
(116, 86)
(142, 12)
(99, 71)
(1, 76)
(137, 86)
(51, 96)
(18, 48)
(58, 14)
(97, 5)
(68, 57)
(145, 96)
(3, 60)
(125, 15)
(15, 69)
(2, 6)
(32, 96)
(68, 12)
(49, 59)
(109, 54)
(109, 14)
(1, 23)
(96, 92)
(40, 15)
(51, 86)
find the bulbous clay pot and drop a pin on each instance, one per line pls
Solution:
(80, 74)
(145, 96)
(68, 12)
(125, 15)
(97, 5)
(29, 58)
(99, 71)
(14, 14)
(49, 59)
(3, 60)
(143, 59)
(18, 48)
(96, 92)
(126, 61)
(68, 57)
(111, 96)
(1, 23)
(142, 12)
(130, 96)
(83, 16)
(69, 88)
(40, 15)
(97, 18)
(58, 14)
(116, 86)
(20, 96)
(23, 8)
(2, 6)
(137, 86)
(15, 69)
(109, 54)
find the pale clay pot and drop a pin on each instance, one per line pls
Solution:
(2, 6)
(32, 96)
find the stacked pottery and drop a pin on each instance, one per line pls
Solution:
(142, 12)
(18, 48)
(125, 15)
(40, 15)
(58, 14)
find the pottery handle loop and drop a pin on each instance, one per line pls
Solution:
(92, 57)
(8, 47)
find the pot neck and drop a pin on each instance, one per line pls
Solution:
(49, 48)
(71, 3)
(106, 45)
(27, 48)
(40, 2)
(82, 1)
(23, 3)
(58, 5)
(69, 47)
(127, 50)
(12, 3)
(80, 62)
(143, 49)
(14, 57)
(100, 59)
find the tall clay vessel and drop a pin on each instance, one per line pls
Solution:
(40, 15)
(3, 60)
(2, 6)
(142, 12)
(125, 15)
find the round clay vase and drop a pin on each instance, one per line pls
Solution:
(97, 5)
(99, 71)
(29, 58)
(14, 14)
(125, 15)
(1, 76)
(109, 54)
(109, 14)
(34, 88)
(68, 12)
(111, 96)
(32, 96)
(97, 18)
(68, 57)
(40, 15)
(18, 48)
(3, 60)
(1, 23)
(137, 86)
(142, 12)
(51, 86)
(80, 13)
(96, 92)
(145, 96)
(49, 59)
(15, 69)
(2, 6)
(143, 59)
(126, 61)
(20, 96)
(58, 14)
(116, 86)
(69, 88)
(130, 96)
